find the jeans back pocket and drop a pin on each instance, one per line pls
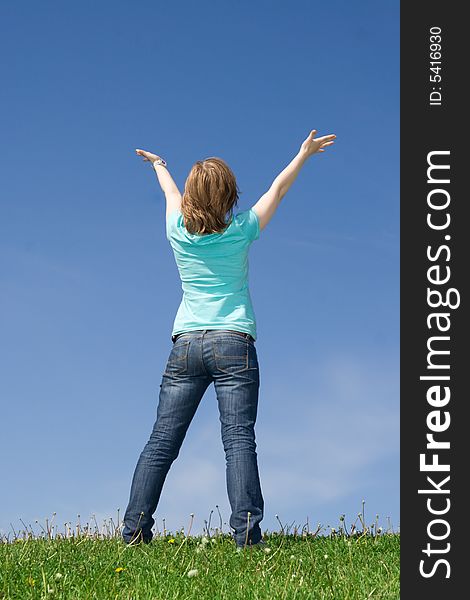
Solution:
(231, 355)
(178, 360)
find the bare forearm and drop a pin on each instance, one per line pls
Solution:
(269, 201)
(287, 177)
(165, 180)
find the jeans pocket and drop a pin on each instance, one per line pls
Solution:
(231, 355)
(178, 360)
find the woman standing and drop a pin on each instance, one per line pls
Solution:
(214, 334)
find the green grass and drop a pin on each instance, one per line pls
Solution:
(338, 566)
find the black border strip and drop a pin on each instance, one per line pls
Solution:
(429, 255)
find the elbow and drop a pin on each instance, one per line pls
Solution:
(278, 192)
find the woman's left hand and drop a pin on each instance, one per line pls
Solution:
(312, 145)
(147, 155)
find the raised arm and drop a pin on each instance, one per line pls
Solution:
(269, 201)
(169, 187)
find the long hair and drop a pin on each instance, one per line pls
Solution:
(210, 193)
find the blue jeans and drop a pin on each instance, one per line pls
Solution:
(197, 359)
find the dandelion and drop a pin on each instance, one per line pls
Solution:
(326, 556)
(119, 569)
(267, 550)
(58, 576)
(192, 573)
(31, 581)
(171, 541)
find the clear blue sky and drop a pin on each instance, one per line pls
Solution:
(89, 286)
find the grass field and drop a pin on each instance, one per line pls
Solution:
(82, 564)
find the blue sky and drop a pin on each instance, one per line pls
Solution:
(89, 286)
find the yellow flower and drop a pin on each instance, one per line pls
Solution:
(31, 581)
(119, 569)
(171, 541)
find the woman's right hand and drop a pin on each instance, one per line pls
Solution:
(313, 145)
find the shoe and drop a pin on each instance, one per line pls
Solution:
(259, 545)
(137, 541)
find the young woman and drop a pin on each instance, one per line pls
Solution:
(214, 334)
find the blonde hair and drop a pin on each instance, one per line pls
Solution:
(210, 192)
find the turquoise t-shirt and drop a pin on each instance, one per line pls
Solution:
(214, 274)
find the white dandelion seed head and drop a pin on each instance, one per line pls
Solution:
(192, 573)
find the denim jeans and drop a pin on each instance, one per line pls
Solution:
(197, 359)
